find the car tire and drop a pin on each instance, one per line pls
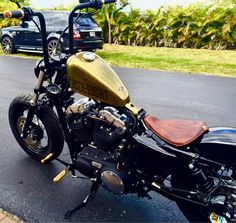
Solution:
(52, 44)
(7, 45)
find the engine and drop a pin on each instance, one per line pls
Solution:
(88, 123)
(98, 138)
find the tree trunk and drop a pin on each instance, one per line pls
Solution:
(109, 33)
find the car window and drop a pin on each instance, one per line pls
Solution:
(59, 20)
(56, 19)
(87, 21)
(30, 24)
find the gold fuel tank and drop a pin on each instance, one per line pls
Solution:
(90, 75)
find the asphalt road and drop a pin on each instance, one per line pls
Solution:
(26, 187)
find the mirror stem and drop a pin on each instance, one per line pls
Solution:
(18, 5)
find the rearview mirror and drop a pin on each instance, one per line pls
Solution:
(24, 25)
(18, 2)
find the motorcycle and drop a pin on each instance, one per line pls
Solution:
(115, 144)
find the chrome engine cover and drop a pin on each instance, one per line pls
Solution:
(113, 182)
(117, 178)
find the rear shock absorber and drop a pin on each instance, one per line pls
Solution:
(200, 178)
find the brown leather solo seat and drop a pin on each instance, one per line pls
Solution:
(176, 132)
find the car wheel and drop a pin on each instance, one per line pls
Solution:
(54, 48)
(7, 45)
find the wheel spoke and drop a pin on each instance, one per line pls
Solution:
(6, 45)
(34, 143)
(52, 45)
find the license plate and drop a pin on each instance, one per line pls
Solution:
(92, 34)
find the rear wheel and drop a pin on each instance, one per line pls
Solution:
(223, 180)
(45, 134)
(7, 45)
(193, 212)
(54, 48)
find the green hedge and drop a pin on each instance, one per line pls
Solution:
(211, 26)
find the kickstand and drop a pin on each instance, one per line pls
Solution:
(93, 191)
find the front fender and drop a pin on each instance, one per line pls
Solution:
(219, 144)
(6, 33)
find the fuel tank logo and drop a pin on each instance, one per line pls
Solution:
(121, 88)
(89, 90)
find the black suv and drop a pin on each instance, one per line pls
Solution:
(26, 36)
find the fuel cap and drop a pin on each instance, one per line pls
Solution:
(88, 56)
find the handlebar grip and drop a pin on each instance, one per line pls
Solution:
(17, 14)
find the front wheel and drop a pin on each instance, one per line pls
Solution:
(7, 45)
(45, 135)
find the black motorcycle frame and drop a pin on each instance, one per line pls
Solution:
(62, 98)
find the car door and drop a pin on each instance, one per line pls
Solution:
(28, 36)
(18, 34)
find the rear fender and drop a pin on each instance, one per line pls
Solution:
(219, 144)
(55, 36)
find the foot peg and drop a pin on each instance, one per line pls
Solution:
(60, 176)
(48, 157)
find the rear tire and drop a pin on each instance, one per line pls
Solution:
(54, 48)
(45, 124)
(193, 212)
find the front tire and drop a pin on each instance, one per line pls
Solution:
(45, 134)
(7, 45)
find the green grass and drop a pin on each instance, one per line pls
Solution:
(24, 55)
(199, 61)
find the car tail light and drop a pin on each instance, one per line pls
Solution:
(76, 35)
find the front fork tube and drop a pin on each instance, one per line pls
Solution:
(33, 104)
(67, 135)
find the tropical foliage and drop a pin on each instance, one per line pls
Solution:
(210, 25)
(6, 5)
(199, 25)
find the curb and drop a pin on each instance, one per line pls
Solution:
(6, 217)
